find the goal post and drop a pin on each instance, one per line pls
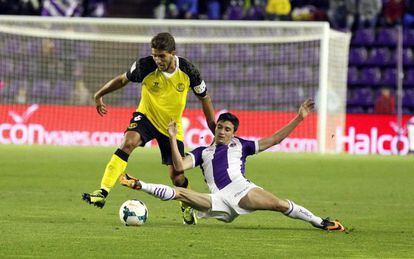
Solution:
(261, 71)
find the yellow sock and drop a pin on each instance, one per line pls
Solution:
(113, 170)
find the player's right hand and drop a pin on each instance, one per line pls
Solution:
(100, 106)
(172, 128)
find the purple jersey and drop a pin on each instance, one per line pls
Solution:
(224, 164)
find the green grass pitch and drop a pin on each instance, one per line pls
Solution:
(42, 215)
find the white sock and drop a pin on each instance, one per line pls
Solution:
(298, 212)
(160, 191)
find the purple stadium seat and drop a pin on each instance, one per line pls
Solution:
(11, 89)
(224, 92)
(39, 90)
(256, 73)
(248, 94)
(303, 75)
(370, 76)
(387, 37)
(380, 56)
(389, 77)
(269, 94)
(408, 37)
(363, 37)
(355, 109)
(409, 78)
(353, 75)
(131, 95)
(83, 49)
(62, 91)
(7, 66)
(210, 72)
(34, 46)
(195, 51)
(309, 55)
(220, 52)
(235, 12)
(408, 56)
(12, 46)
(358, 56)
(280, 74)
(244, 52)
(363, 96)
(263, 52)
(408, 98)
(232, 72)
(293, 94)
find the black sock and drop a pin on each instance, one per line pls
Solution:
(185, 183)
(104, 192)
(121, 154)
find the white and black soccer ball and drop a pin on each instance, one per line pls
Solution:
(133, 213)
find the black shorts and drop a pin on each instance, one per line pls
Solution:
(140, 123)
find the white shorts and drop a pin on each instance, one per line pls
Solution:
(225, 203)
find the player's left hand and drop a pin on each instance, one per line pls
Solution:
(172, 128)
(306, 108)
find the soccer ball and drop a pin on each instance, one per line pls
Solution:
(133, 213)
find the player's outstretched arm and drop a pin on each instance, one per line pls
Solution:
(208, 111)
(180, 164)
(112, 85)
(304, 110)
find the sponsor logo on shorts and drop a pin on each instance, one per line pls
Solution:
(240, 192)
(132, 125)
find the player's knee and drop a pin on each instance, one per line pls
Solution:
(129, 145)
(279, 205)
(177, 180)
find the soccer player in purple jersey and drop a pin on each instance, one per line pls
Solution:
(223, 165)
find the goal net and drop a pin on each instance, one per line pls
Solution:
(260, 71)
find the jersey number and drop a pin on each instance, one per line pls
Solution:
(138, 118)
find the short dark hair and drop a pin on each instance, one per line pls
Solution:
(163, 41)
(227, 116)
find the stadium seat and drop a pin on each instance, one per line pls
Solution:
(232, 72)
(370, 76)
(263, 52)
(280, 74)
(7, 66)
(408, 98)
(248, 94)
(387, 37)
(195, 51)
(131, 95)
(363, 37)
(363, 96)
(408, 57)
(39, 91)
(409, 78)
(210, 72)
(389, 77)
(269, 94)
(62, 91)
(380, 57)
(408, 38)
(355, 109)
(358, 56)
(220, 52)
(83, 50)
(353, 75)
(10, 89)
(303, 75)
(243, 51)
(256, 73)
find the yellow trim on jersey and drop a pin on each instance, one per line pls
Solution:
(164, 98)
